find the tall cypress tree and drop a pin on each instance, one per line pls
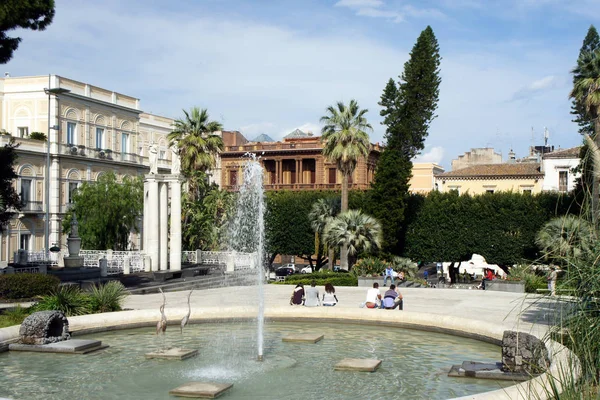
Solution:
(408, 109)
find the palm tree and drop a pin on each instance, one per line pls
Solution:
(345, 142)
(193, 136)
(355, 230)
(322, 212)
(566, 238)
(586, 92)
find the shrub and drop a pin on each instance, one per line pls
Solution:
(532, 279)
(26, 286)
(370, 266)
(68, 299)
(405, 265)
(321, 278)
(108, 297)
(38, 136)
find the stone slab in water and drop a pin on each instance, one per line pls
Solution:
(72, 346)
(201, 390)
(472, 369)
(304, 337)
(358, 364)
(172, 354)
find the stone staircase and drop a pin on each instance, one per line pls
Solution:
(241, 278)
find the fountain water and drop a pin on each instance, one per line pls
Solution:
(248, 231)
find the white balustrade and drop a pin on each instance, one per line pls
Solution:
(188, 257)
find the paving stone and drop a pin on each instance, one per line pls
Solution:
(201, 390)
(172, 354)
(304, 337)
(358, 364)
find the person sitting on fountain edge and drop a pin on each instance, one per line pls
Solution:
(373, 296)
(312, 296)
(392, 299)
(297, 296)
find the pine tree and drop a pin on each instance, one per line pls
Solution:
(408, 109)
(590, 44)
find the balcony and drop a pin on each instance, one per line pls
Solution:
(31, 207)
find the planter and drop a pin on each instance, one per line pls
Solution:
(368, 282)
(499, 285)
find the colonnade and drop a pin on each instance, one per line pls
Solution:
(163, 247)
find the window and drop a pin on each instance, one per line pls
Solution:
(233, 177)
(24, 241)
(563, 178)
(100, 138)
(489, 190)
(72, 188)
(350, 180)
(23, 131)
(162, 155)
(124, 143)
(526, 191)
(332, 175)
(71, 133)
(25, 192)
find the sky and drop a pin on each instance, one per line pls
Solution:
(273, 66)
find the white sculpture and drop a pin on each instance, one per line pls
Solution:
(175, 160)
(153, 158)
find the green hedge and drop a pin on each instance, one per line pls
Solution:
(26, 286)
(321, 278)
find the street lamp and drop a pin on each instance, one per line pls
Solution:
(49, 92)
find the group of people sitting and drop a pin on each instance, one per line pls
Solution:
(392, 298)
(310, 297)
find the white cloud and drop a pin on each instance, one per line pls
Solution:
(252, 130)
(536, 87)
(370, 8)
(433, 155)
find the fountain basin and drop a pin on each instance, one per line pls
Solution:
(444, 324)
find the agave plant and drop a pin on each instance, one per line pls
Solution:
(566, 237)
(108, 297)
(68, 299)
(406, 265)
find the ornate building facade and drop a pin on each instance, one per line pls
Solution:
(91, 131)
(295, 163)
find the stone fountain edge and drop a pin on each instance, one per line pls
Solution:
(561, 357)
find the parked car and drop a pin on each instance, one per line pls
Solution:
(284, 271)
(337, 268)
(292, 266)
(307, 270)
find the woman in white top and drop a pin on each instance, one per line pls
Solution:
(329, 297)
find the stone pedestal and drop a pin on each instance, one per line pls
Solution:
(523, 353)
(172, 354)
(73, 262)
(304, 337)
(201, 390)
(358, 364)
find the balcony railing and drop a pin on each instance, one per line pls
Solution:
(28, 207)
(305, 186)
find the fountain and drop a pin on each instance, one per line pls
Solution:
(248, 230)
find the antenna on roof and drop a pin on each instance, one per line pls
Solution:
(546, 136)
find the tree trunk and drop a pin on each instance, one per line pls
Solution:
(344, 249)
(595, 169)
(331, 259)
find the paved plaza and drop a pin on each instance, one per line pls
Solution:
(511, 310)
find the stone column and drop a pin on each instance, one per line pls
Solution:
(164, 225)
(55, 183)
(301, 172)
(145, 227)
(175, 244)
(153, 250)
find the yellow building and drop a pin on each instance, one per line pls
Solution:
(490, 178)
(92, 131)
(423, 177)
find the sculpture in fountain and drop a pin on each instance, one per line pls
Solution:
(161, 325)
(186, 318)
